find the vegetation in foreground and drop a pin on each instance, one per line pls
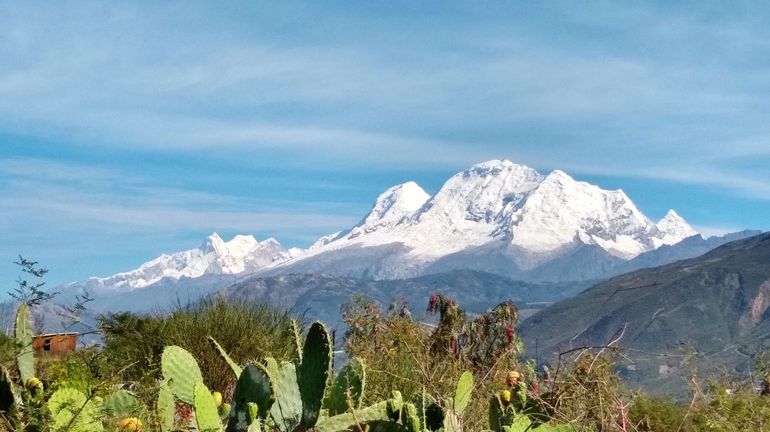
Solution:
(244, 367)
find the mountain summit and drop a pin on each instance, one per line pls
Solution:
(496, 216)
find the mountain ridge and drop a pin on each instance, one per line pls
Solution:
(528, 225)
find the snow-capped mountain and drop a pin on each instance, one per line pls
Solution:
(213, 257)
(496, 216)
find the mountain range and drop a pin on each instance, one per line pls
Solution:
(711, 312)
(497, 216)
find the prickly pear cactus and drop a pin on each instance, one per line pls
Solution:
(348, 387)
(253, 386)
(313, 373)
(463, 392)
(385, 411)
(23, 333)
(166, 408)
(206, 414)
(502, 417)
(411, 418)
(121, 403)
(72, 411)
(181, 371)
(9, 402)
(287, 409)
(237, 370)
(297, 341)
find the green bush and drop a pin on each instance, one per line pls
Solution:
(246, 330)
(656, 414)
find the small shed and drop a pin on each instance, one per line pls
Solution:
(57, 344)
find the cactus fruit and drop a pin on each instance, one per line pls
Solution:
(253, 386)
(253, 411)
(206, 414)
(224, 410)
(25, 359)
(181, 371)
(505, 397)
(217, 398)
(512, 378)
(237, 370)
(348, 388)
(463, 392)
(33, 384)
(313, 373)
(132, 424)
(166, 408)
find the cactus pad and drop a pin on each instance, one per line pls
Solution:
(206, 415)
(313, 372)
(463, 392)
(121, 403)
(287, 410)
(254, 385)
(71, 410)
(181, 371)
(348, 388)
(237, 370)
(23, 333)
(297, 341)
(166, 408)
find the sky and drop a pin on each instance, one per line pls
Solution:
(128, 129)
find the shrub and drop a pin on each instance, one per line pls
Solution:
(246, 330)
(404, 354)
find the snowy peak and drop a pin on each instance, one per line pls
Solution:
(213, 256)
(673, 228)
(392, 207)
(480, 192)
(562, 211)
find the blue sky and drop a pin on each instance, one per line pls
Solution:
(131, 129)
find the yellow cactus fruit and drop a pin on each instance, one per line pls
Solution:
(512, 378)
(217, 398)
(33, 384)
(130, 424)
(505, 396)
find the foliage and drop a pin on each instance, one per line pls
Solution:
(402, 353)
(245, 330)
